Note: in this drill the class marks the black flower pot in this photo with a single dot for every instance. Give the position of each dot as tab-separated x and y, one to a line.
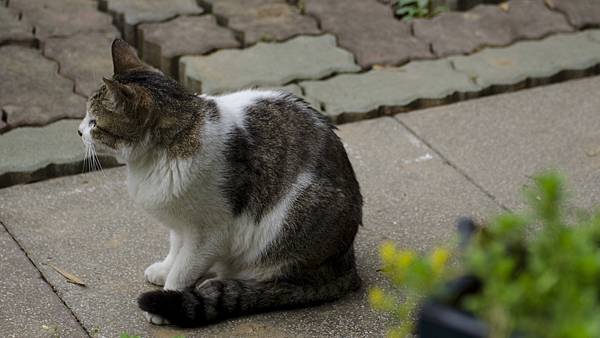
443	317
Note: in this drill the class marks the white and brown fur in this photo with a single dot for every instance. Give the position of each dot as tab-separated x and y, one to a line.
257	191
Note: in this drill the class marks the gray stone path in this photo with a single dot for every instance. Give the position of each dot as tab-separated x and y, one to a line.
13	30
29	307
128	14
83	58
358	26
453	33
262	20
50	96
53	56
163	43
63	18
418	171
30	155
421	84
580	13
265	65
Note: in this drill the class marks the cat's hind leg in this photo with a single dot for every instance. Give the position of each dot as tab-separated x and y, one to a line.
157	273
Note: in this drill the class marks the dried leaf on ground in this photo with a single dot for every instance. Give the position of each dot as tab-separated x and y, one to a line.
504	6
71	278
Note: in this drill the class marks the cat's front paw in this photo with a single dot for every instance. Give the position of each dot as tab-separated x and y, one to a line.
157	273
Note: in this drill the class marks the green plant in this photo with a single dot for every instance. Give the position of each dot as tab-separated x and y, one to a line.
411	9
540	271
414	276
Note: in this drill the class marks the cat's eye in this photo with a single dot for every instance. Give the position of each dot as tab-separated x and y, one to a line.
92	123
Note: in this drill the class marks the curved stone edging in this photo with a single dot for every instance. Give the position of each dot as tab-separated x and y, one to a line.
421	84
265	64
31	154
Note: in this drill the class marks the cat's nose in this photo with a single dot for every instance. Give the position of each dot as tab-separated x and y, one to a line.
79	132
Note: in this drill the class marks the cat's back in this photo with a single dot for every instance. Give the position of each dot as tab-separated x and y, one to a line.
273	138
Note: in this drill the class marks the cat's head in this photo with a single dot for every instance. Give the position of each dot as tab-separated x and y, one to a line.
136	110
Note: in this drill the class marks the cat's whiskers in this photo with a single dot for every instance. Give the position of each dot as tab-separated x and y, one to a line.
85	158
98	165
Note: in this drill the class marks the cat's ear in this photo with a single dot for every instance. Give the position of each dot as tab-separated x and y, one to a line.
119	90
125	58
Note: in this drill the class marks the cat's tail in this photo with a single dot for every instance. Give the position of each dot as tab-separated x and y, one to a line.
215	300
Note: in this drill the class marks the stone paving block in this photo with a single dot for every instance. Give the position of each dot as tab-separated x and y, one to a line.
581	13
488	25
29	306
349	97
63	17
163	43
32	92
369	30
265	64
84	58
530	59
13	30
32	154
532	19
296	90
411	197
501	141
263	20
128	13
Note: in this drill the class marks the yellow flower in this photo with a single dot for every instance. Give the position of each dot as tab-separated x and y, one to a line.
404	258
377	298
438	258
396	333
387	251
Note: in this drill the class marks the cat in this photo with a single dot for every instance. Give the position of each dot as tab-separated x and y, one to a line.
257	190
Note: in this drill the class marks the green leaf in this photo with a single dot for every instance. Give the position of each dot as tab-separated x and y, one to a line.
406	2
404	11
423	4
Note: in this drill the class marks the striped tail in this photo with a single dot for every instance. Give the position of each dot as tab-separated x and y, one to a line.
216	300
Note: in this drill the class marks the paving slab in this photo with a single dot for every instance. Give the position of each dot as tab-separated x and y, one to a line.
32	92
263	20
369	30
29	306
128	13
489	25
411	196
531	59
83	58
31	154
64	17
13	30
501	141
581	13
350	97
296	90
163	43
265	64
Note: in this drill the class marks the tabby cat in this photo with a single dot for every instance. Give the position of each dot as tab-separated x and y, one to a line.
256	188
